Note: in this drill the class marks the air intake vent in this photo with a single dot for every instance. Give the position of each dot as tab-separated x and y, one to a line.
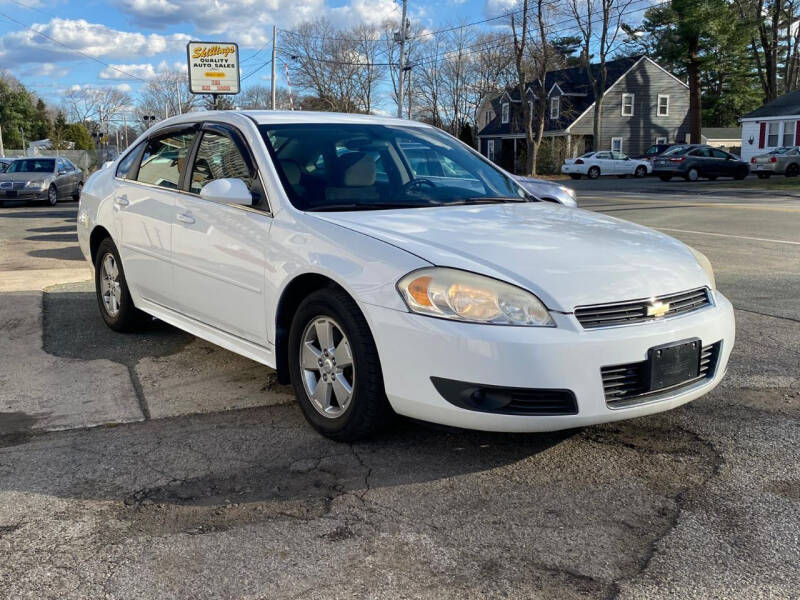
628	385
637	311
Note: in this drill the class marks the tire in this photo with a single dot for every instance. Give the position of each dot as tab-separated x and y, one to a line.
692	174
112	291
76	195
575	176
593	173
763	175
640	171
52	195
665	177
339	416
792	170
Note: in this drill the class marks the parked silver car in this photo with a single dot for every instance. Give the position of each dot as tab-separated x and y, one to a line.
785	160
549	191
41	179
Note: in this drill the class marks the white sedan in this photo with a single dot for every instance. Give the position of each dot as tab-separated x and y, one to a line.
607	162
435	288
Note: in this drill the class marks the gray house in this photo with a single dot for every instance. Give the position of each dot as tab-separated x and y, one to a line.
643	105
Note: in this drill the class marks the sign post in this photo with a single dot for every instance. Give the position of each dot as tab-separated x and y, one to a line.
213	68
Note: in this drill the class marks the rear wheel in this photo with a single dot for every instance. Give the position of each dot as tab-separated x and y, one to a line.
665	177
335	368
640	171
594	173
741	174
113	297
692	174
792	170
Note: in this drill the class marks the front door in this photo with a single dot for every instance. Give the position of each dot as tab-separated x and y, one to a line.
219	250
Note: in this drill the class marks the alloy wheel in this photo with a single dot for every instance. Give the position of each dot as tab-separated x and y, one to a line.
110	285
52	196
693	174
327	367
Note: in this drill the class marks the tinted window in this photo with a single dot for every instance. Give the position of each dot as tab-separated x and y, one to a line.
603	155
70	165
125	166
719	153
218	158
33	165
702	152
164	158
349	166
619	156
677	150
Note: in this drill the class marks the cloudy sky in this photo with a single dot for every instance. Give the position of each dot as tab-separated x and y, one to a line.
50	44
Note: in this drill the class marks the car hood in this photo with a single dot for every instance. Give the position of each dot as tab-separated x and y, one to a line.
25	176
567	257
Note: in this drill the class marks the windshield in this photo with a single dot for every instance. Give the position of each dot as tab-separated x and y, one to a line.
32	165
784	150
345	166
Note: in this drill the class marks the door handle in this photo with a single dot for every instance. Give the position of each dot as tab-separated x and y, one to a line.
121	200
185	218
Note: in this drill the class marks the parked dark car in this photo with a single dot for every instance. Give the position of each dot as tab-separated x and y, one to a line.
653	151
692	161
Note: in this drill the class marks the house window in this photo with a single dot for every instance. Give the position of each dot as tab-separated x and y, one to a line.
505	113
772	133
616	144
661	140
663	105
788	133
490	149
555	107
627	105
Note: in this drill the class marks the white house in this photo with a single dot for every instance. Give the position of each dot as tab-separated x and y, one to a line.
773	125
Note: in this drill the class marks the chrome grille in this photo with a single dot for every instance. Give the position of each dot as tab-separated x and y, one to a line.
628	385
12	185
635	311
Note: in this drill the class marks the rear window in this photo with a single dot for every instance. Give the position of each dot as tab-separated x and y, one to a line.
677	150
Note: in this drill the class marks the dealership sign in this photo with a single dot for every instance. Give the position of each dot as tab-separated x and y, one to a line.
213	67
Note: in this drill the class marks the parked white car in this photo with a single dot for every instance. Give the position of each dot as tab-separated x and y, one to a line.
595	164
310	242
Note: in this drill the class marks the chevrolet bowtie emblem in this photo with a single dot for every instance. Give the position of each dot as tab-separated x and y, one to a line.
657	309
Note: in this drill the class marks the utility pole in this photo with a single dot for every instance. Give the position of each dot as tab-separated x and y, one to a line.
409	91
24	150
274	58
402	62
2	150
178	90
125	127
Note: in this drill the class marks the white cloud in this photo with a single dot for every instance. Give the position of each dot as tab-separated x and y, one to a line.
77	35
144	71
493	8
249	22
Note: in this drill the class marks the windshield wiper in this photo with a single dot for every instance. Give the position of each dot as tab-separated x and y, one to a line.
365	206
498	200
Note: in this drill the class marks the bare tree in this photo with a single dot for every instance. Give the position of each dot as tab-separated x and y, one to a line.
166	94
260	97
86	104
599	23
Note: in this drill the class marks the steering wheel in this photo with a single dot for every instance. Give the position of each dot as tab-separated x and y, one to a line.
417	182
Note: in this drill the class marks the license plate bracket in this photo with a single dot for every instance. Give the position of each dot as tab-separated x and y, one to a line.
11	194
675	363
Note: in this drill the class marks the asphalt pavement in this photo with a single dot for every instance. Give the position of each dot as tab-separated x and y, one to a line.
155	465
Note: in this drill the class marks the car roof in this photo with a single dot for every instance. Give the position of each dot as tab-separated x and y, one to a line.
266	117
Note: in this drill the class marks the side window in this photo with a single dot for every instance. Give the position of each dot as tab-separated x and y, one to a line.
719	153
125	166
164	158
60	166
218	158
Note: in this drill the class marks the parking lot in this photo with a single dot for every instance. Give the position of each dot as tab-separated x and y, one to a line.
156	465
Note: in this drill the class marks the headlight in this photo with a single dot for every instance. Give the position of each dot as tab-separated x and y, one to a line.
702	259
464	296
36	185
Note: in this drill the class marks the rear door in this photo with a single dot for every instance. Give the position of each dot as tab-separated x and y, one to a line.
603	160
63	178
144	203
219	250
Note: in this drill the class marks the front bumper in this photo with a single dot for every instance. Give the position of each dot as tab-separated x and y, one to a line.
414	348
572	170
764	168
23	195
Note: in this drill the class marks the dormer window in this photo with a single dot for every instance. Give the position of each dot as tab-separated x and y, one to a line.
555	107
504	116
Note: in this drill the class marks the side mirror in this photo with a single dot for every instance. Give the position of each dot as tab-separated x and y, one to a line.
228	191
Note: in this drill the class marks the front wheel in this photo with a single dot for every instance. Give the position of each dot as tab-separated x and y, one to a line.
335	368
113	297
76	195
640	171
594	173
52	195
740	175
